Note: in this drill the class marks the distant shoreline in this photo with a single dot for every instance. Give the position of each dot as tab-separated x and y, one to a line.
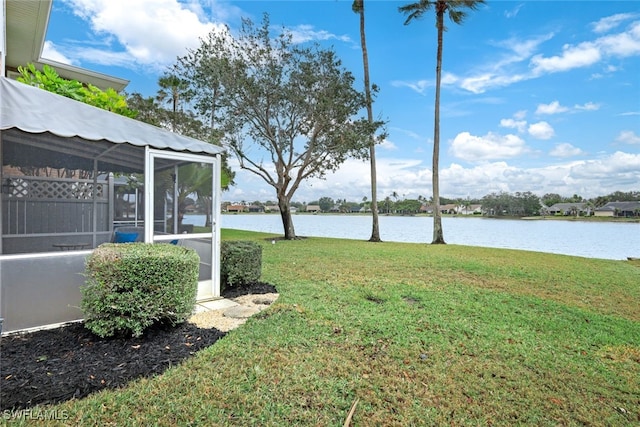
527	218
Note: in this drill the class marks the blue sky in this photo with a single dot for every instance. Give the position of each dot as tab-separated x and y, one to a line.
537	96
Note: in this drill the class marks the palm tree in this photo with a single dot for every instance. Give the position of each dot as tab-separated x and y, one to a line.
173	88
358	7
415	11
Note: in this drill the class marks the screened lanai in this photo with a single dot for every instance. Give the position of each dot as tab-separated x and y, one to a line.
75	176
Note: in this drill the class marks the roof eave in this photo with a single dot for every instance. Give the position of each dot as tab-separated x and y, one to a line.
26	29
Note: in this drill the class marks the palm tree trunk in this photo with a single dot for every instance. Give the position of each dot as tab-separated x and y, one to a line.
438	236
375	230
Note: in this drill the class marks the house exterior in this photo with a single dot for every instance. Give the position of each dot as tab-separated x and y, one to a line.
237	208
619	209
426	209
313	208
567	208
256	209
450	208
50	224
469	210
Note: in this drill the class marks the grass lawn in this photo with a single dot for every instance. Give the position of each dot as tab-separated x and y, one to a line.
417	335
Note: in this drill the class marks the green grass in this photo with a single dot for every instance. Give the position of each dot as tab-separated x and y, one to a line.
420	334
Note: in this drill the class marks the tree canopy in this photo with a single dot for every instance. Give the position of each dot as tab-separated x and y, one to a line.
288	111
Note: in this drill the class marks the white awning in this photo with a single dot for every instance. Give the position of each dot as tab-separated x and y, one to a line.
34	110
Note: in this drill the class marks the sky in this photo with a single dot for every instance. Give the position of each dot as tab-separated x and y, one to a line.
539	96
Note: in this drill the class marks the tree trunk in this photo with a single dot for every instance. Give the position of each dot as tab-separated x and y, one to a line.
375	230
438	235
285	214
207	208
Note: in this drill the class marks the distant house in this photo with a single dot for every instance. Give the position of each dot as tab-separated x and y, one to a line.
256	209
313	208
619	209
426	209
567	208
272	208
236	208
470	210
450	208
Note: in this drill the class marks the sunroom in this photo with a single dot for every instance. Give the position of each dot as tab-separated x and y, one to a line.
73	177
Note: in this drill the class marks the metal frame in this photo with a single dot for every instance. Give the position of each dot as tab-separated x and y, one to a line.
214	237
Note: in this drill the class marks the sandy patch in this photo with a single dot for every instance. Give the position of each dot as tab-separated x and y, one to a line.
217	319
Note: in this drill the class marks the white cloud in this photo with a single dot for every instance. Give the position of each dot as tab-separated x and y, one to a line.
412	178
555	108
514	124
419	86
628	137
387	145
583	55
565	150
541	130
621	165
589	106
407	177
222	11
50	51
503	71
513	12
500	72
489	147
610	22
151	32
623	44
520	115
480	180
306	33
104	57
407	132
552	108
482	82
589	178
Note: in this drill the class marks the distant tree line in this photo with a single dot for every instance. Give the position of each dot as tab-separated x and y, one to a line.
494	204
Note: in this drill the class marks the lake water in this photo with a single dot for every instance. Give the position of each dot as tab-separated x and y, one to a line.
609	240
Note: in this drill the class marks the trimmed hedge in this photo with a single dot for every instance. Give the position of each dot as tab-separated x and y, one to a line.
131	286
240	262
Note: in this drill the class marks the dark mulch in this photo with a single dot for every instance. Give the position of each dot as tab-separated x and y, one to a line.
56	365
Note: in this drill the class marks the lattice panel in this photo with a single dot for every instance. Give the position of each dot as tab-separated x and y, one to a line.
51	189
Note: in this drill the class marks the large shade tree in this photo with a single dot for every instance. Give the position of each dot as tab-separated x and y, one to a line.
454	8
288	111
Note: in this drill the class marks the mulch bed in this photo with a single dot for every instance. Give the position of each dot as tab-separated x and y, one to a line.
52	366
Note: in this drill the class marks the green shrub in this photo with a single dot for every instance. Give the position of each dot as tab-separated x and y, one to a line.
131	286
240	262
